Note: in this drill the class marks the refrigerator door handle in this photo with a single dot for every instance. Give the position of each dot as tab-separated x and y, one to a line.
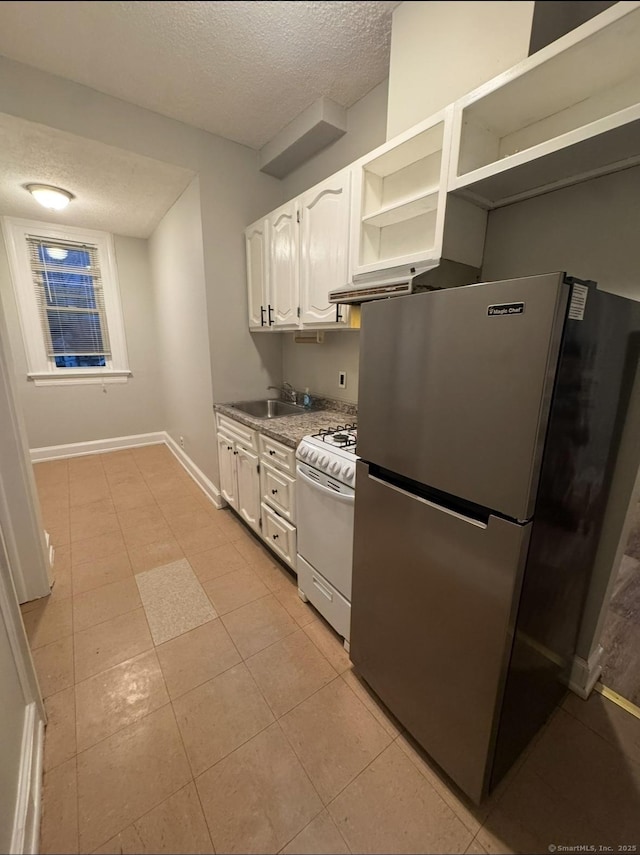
424	501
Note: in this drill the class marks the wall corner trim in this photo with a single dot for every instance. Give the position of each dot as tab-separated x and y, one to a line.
585	673
207	486
118	443
26	824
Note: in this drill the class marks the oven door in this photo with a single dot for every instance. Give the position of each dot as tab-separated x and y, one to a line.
325	526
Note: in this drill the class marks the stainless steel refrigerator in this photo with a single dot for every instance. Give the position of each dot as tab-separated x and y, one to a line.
488	427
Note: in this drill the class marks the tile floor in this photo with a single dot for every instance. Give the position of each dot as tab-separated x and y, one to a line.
238	725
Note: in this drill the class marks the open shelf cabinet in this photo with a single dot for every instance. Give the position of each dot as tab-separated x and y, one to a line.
398	191
568	113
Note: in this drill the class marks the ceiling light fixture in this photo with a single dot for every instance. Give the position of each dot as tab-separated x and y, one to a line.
52	198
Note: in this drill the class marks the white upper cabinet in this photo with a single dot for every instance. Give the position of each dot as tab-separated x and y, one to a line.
282	307
401	216
257	249
567	113
324	249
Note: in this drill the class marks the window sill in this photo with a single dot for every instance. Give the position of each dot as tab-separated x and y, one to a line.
78	377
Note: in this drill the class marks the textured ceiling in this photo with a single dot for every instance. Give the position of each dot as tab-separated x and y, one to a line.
242	70
115	190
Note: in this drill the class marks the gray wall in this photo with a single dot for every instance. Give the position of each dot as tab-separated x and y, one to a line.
177	265
55	415
232	194
316	365
366	129
590	231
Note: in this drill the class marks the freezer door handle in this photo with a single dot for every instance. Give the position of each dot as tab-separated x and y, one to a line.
424	501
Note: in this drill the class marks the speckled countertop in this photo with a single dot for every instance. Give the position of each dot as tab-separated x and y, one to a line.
289	430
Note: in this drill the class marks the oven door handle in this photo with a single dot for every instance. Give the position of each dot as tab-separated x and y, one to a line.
347	498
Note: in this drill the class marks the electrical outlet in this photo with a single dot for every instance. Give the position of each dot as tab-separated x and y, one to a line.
181	442
342	379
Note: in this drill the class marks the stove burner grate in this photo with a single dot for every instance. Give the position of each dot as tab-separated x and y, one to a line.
344	436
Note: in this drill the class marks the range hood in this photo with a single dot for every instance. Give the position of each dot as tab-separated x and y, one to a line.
404	280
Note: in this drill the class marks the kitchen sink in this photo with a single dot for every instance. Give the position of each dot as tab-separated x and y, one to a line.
272	409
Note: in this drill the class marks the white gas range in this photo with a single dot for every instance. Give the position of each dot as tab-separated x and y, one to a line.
325	489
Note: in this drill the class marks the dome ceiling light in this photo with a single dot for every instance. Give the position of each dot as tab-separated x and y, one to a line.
52	198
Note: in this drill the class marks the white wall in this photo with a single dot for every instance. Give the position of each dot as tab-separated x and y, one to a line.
590	231
441	50
177	264
55	415
12	714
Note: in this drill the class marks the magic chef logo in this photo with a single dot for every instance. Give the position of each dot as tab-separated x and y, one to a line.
505	309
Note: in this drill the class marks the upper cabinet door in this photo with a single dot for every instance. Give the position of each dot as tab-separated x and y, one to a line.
256	241
324	248
283	266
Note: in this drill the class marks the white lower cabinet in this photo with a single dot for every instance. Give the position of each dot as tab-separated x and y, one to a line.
227	465
279	534
239	471
257	479
278	490
248	475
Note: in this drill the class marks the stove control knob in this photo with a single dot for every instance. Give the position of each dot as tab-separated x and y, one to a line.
335	468
323	461
313	456
303	452
348	474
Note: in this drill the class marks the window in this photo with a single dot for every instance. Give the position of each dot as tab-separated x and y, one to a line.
67	295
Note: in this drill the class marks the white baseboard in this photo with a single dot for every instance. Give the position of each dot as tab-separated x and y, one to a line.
207	486
585	673
99	446
96	446
26	824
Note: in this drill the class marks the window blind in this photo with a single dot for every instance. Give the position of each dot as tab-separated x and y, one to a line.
70	297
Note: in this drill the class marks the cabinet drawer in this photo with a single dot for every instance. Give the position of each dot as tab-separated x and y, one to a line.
329	602
279	455
278	490
279	535
238	432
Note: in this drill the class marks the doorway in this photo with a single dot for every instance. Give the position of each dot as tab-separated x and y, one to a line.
621	636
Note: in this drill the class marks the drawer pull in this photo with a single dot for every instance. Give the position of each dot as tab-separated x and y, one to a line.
275	536
273	492
271	452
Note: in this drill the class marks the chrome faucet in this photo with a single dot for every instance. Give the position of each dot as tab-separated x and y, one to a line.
287	392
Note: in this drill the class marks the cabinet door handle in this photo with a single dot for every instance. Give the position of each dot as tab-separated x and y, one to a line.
275	536
262	320
235	452
271	452
270	310
338	313
273	492
229	448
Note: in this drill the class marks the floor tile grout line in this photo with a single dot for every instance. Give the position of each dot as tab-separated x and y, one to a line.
105	620
337	677
209	679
